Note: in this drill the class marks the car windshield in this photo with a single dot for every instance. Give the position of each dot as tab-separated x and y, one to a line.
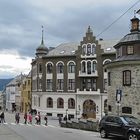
131	120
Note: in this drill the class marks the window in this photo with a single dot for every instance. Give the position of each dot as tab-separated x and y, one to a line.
109	78
130	49
71	67
60	68
40	68
49	68
71	103
93	48
89	84
49	84
29	95
84	49
88	67
83	68
89	49
126	78
109	108
93	66
94	84
49	102
127	110
60	103
71	84
38	101
119	52
60	84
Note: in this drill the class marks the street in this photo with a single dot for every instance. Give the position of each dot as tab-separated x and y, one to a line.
21	131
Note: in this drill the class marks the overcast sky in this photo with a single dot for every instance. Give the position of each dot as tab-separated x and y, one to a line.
63	21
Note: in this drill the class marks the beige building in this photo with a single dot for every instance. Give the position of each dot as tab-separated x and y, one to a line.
26	96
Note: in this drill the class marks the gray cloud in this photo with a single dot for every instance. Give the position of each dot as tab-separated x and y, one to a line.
20	22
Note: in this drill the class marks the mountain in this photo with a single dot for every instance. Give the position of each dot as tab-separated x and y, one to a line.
3	83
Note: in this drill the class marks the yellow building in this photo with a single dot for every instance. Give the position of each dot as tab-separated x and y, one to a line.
26	97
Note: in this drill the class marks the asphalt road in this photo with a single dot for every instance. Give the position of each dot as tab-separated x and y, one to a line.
21	131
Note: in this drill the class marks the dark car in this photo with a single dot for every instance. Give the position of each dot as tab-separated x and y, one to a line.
122	126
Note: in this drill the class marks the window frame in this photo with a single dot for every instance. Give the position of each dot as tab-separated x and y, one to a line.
130	49
126	78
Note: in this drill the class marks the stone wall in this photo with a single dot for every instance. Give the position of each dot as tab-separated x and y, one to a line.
130	94
90	125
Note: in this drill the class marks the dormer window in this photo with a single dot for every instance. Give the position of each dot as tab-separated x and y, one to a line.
119	52
130	49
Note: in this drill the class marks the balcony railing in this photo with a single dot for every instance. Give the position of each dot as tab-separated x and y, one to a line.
85	74
88	56
90	92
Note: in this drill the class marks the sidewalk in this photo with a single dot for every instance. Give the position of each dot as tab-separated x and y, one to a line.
7	134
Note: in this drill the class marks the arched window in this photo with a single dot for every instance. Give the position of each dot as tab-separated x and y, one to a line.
71	103
127	110
93	66
83	67
89	67
60	67
89	49
49	102
93	48
84	49
71	67
49	68
60	103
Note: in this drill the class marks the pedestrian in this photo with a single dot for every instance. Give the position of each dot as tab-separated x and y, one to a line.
60	119
39	118
25	118
17	118
2	117
30	118
46	119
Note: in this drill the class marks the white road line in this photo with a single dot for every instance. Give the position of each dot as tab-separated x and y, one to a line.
21	124
13	123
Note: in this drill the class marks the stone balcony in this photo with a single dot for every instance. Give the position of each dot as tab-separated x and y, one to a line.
85	74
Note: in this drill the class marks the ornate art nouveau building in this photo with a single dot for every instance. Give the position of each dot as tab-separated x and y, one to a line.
124	74
70	78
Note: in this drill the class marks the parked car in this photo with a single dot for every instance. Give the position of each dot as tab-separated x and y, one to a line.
122	126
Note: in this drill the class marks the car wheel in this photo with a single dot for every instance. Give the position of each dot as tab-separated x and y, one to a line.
103	133
132	136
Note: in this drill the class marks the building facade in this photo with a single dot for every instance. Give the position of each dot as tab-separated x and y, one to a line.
124	74
13	93
70	80
26	97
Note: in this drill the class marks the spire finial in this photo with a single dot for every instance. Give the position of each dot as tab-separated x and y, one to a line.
89	29
42	42
135	13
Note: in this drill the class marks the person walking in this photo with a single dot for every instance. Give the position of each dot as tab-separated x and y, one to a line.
46	119
2	117
17	118
30	118
60	119
39	118
25	118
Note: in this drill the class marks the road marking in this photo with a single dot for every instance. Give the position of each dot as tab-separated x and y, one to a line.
13	123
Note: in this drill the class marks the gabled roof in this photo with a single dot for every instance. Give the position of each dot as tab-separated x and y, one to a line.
68	49
64	49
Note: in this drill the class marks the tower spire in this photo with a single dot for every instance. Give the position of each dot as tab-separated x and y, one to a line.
42	41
